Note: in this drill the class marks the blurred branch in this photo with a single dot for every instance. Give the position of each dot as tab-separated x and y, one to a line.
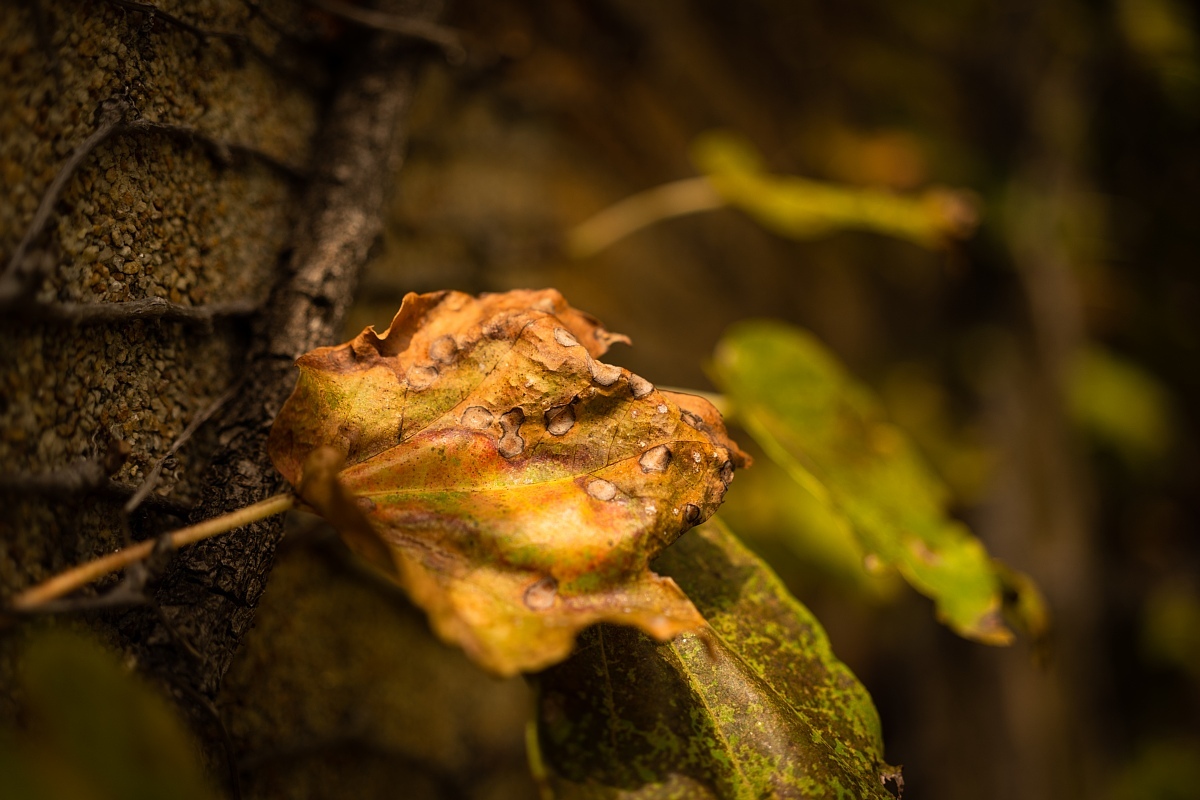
804	209
791	206
446	39
639	211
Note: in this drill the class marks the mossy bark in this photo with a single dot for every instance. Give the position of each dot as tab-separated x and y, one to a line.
243	170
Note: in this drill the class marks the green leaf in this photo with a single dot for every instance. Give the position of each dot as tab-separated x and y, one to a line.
95	732
802	209
1121	405
754	706
831	435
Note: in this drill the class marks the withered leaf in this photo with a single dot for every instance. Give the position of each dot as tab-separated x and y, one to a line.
516	486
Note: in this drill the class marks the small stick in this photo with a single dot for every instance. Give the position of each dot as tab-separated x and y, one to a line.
614	223
445	38
80	576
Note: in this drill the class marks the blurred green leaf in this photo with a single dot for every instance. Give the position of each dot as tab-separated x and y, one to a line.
804	209
1163	769
1170	629
819	538
756	706
1162	33
832	437
95	732
1121	405
916	399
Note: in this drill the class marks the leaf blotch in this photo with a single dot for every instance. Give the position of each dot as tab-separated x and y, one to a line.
511	444
602	489
443	350
640	386
655	459
604	374
542	594
477	418
421	377
560	419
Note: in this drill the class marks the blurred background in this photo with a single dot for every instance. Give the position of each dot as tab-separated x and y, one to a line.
987	210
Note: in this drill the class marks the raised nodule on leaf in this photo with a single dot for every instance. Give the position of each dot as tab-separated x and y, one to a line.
518	485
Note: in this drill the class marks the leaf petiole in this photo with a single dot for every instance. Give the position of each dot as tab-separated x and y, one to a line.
77	577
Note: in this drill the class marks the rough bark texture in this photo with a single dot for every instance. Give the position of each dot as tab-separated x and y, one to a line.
190	202
211	592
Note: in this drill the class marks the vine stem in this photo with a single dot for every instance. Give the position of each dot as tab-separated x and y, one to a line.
77	577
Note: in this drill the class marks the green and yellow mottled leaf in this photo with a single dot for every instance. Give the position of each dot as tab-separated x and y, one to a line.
831	435
516	486
754	706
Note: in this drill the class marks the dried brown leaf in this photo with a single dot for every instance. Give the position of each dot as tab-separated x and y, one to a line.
518	485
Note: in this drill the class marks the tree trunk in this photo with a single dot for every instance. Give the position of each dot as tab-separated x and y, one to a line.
189	194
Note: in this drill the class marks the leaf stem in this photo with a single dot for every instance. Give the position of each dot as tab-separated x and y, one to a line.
77	577
614	223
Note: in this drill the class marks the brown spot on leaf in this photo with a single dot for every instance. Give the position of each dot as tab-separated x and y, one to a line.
655	459
443	350
542	594
602	489
640	386
511	444
604	374
477	418
560	419
421	377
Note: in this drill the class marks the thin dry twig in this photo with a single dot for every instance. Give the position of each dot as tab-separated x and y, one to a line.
154	12
82	476
446	39
77	577
120	490
623	218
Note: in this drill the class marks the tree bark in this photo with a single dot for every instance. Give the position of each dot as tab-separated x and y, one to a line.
184	131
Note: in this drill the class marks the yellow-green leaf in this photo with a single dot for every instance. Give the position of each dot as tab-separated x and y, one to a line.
1120	404
754	706
516	486
831	435
804	209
